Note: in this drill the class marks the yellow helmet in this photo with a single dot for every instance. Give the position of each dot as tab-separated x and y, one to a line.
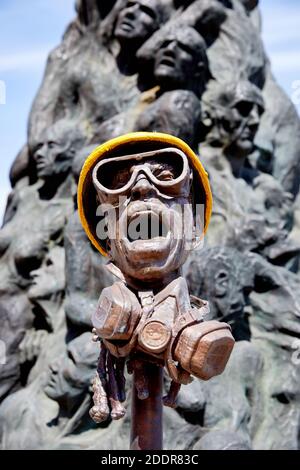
133	143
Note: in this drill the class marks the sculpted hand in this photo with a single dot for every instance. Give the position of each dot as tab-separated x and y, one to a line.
108	387
100	410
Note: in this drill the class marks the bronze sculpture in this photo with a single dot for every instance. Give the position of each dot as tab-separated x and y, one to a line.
153	182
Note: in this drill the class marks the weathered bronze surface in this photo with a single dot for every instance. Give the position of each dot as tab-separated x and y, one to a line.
147	317
197	70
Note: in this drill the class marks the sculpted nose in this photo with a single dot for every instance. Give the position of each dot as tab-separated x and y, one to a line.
40	153
171	47
131	11
143	189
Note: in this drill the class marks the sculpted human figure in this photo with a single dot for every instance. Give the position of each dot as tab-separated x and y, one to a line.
42	211
176	112
274	334
232	116
263	212
249	377
53	156
278	139
86	275
225	283
139	19
234	47
181	61
227	276
147	177
267	228
78	92
135	23
55	403
230	120
45	340
205	16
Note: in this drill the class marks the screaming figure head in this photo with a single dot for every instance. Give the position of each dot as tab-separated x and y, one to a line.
153	199
231	118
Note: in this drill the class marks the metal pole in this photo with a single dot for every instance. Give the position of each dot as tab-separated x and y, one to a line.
146	415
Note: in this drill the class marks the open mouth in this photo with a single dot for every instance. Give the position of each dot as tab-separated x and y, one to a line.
147	225
126	26
167	62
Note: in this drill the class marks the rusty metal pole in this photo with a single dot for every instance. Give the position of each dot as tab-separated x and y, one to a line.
146	415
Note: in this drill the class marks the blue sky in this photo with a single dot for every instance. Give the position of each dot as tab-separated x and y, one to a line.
31	28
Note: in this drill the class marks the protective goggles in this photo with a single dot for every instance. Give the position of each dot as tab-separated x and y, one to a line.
167	169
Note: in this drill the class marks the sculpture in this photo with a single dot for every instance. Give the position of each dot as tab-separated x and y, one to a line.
232	115
90	91
138	20
27	248
135	23
46	295
175	112
181	61
62	399
227	285
148	317
53	155
86	276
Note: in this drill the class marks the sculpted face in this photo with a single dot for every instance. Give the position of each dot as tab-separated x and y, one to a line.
181	60
138	20
276	205
70	376
49	279
176	112
225	278
245	119
235	113
227	292
54	154
152	230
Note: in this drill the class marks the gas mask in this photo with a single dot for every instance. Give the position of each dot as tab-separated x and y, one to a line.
165	326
